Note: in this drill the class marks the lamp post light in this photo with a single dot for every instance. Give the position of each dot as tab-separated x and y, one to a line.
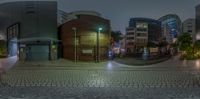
98	45
75	49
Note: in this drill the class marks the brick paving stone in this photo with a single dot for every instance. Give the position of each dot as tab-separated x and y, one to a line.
166	79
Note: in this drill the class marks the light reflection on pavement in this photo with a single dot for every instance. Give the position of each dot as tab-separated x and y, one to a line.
109	65
8	63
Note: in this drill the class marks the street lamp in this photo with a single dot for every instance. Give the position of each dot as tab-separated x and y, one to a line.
74	28
98	46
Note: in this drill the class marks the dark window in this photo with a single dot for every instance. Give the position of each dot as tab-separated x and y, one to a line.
130	29
141	34
141	29
13	31
189	30
30	12
131	33
130	38
130	43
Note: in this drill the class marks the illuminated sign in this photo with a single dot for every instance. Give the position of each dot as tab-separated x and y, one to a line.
88	51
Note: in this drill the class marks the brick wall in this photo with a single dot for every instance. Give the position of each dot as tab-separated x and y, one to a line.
86	29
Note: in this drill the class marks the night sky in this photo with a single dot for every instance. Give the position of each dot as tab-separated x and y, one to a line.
120	11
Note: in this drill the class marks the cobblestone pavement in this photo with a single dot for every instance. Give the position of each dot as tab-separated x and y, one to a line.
101	78
106	80
98	93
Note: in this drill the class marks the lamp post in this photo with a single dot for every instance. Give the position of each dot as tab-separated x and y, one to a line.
74	28
98	45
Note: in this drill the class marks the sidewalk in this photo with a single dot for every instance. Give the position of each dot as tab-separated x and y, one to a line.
70	64
60	63
9	62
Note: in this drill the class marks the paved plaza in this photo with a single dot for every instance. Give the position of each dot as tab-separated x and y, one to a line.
140	62
64	79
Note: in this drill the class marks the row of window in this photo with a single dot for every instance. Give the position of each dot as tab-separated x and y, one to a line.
130	33
130	38
190	31
142	29
130	43
130	29
30	8
13	31
141	40
142	34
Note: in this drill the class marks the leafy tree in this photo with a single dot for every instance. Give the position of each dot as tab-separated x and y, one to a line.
116	35
185	41
185	44
197	45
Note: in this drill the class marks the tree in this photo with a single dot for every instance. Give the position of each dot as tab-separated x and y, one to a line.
185	41
185	45
197	48
197	45
116	35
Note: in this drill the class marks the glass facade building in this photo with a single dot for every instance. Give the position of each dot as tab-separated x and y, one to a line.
171	27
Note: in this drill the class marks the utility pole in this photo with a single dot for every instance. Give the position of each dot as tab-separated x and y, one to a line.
75	49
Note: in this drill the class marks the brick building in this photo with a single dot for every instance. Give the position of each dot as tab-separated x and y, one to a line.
79	37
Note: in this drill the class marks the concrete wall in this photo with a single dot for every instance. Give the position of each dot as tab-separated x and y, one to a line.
37	24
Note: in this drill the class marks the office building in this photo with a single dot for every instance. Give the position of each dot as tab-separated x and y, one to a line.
30	29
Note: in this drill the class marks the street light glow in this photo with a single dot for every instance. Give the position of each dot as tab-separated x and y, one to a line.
100	29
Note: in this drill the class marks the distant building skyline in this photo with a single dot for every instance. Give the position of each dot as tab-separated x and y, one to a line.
120	12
